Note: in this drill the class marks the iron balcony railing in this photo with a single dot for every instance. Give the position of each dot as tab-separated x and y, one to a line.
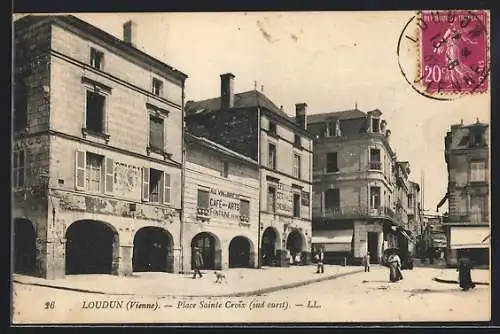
359	211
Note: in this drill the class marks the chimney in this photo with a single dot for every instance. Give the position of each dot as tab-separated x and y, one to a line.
301	115
227	90
129	32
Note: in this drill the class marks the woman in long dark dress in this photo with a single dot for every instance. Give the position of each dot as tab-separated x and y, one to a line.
464	276
395	268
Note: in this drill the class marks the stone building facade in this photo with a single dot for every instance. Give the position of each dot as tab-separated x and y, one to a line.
355	186
221	206
468	223
97	149
252	125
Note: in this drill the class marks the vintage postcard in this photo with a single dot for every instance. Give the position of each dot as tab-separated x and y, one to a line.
251	167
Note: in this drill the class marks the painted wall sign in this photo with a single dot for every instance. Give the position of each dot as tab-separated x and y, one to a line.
224	204
284	198
22	143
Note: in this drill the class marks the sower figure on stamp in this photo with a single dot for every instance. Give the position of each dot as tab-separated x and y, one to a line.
320	258
197	262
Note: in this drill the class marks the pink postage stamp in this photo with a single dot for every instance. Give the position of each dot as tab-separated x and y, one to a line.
454	51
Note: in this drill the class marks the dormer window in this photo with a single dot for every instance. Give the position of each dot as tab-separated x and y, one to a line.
477	139
375	125
157	87
330	129
272	128
96	58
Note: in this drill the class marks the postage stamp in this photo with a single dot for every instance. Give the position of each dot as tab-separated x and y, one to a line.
454	51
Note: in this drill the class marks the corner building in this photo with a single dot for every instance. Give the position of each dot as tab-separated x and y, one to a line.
98	152
358	187
221	203
467	226
252	125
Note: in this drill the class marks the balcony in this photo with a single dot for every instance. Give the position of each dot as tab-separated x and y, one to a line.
464	217
356	211
375	165
203	214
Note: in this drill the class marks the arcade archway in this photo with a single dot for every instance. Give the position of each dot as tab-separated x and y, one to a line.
209	246
240	250
270	243
152	250
91	248
24	246
295	244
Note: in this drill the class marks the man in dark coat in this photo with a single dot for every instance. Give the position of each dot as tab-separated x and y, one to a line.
464	268
197	262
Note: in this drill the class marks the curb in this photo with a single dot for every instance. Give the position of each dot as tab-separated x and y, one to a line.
440	280
234	294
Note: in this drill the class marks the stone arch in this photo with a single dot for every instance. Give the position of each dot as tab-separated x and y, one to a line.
24	246
270	245
296	243
92	247
153	250
241	253
210	247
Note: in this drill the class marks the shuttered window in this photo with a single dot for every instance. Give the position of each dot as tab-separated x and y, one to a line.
19	169
156	133
203	199
244	208
166	188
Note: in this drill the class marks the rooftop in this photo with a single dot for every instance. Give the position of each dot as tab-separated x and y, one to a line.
219	148
340	115
250	99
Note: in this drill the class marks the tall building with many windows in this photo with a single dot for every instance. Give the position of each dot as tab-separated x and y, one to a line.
97	151
359	188
250	124
467	226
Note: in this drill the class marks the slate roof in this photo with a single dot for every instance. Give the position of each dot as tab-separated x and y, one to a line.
250	99
217	147
340	115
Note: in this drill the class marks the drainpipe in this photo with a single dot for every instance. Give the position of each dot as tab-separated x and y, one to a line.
259	257
183	182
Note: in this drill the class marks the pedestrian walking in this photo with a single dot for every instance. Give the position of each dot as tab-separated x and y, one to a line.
320	258
464	273
395	268
366	262
197	262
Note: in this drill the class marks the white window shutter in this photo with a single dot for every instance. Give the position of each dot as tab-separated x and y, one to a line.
166	188
110	175
145	184
80	170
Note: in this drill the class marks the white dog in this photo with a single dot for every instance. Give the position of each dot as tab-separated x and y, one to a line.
220	277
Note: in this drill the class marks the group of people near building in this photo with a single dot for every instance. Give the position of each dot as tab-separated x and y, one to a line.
393	261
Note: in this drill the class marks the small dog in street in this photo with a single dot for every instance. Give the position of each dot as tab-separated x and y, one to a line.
220	277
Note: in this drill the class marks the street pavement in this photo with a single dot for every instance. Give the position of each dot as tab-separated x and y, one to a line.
359	297
239	281
370	297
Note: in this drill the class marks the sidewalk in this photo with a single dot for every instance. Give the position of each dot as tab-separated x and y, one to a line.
450	275
240	282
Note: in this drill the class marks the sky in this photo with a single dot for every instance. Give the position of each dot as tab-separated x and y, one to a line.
330	60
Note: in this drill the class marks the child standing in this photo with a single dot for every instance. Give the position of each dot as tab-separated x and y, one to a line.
366	262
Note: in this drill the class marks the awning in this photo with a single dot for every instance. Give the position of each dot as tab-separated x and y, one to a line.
468	237
443	200
334	240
